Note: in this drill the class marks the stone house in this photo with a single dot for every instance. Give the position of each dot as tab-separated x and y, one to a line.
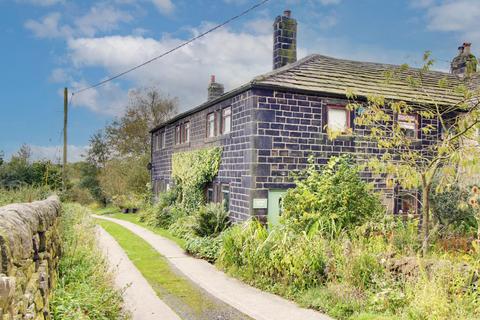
269	126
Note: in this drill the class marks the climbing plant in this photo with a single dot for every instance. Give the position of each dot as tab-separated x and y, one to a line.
191	171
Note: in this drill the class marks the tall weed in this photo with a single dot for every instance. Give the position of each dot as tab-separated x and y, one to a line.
84	289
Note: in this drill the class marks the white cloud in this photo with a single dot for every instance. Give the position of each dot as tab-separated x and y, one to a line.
59	75
109	99
100	18
233	57
54	153
460	15
164	6
48	27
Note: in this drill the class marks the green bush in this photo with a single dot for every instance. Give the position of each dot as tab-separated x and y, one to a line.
281	260
451	212
335	198
161	214
211	220
207	248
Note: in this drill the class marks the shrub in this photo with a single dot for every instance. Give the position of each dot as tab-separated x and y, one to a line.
183	225
211	220
207	248
335	198
449	209
161	214
279	261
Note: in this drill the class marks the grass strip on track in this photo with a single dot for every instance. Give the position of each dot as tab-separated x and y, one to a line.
182	295
131	217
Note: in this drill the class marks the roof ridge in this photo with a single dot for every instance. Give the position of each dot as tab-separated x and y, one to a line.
285	68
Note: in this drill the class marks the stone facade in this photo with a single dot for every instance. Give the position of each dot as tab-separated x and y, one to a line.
273	133
29	253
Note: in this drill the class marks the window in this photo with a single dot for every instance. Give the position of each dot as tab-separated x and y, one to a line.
164	140
226	120
186	132
211	125
408	124
209	193
178	135
338	118
156	147
226	196
408	204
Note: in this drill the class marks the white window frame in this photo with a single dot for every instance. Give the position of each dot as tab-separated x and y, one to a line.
211	121
408	122
226	128
330	112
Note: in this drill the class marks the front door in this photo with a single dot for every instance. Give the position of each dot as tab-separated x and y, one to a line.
275	206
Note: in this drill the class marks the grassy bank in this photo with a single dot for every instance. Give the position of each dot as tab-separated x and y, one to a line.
84	289
186	299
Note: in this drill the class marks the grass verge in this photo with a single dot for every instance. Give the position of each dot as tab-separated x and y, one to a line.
179	293
84	288
135	219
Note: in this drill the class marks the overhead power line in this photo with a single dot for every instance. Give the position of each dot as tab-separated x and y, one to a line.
173	49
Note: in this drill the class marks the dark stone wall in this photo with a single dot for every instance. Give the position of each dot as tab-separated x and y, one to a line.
290	127
237	153
273	134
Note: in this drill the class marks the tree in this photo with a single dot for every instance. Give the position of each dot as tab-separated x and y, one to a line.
130	135
402	159
24	153
2	156
99	151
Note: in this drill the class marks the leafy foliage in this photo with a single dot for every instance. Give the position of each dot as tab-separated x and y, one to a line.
211	220
450	209
333	200
191	171
453	137
21	171
207	248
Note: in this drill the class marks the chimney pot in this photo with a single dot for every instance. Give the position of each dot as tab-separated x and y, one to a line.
215	89
465	62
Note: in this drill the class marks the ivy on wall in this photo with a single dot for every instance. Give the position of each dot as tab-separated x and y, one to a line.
191	171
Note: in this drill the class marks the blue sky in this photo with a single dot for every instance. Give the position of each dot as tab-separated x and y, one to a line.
49	44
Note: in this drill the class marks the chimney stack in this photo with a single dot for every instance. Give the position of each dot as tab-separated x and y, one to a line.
215	90
465	62
284	40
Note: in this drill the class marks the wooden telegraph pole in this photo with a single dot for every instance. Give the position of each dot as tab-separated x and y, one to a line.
65	119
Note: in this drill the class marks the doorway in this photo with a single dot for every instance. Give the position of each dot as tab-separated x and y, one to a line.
275	206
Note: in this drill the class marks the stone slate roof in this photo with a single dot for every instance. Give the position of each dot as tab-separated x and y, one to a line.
326	75
335	76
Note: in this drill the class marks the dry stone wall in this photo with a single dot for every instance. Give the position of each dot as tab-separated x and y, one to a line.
29	252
